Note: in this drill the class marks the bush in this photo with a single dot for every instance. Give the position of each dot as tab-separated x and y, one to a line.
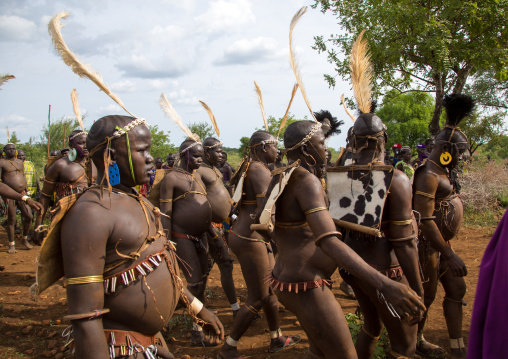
484	186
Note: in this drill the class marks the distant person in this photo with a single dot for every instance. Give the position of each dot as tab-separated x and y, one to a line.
421	151
396	148
328	158
170	161
429	145
388	159
404	164
30	175
278	161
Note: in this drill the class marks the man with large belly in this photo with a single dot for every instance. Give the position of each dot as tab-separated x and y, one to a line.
183	199
220	201
441	212
12	174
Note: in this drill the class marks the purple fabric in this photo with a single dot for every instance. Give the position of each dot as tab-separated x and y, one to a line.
489	325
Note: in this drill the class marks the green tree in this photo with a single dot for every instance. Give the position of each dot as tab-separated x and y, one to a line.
14	138
406	117
482	129
274	124
202	129
497	147
244	143
161	144
489	89
437	45
59	134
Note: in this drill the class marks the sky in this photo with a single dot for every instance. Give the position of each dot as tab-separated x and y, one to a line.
208	50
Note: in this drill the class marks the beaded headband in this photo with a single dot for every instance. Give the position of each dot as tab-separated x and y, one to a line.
78	134
312	132
214	145
188	148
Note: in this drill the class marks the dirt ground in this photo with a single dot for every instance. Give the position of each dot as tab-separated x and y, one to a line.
31	329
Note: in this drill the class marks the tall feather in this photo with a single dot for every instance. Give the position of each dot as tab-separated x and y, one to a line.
72	60
8	134
170	111
285	118
361	73
292	59
261	106
345	108
75	107
212	117
5	78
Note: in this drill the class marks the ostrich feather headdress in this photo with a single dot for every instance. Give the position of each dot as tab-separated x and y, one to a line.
5	78
77	112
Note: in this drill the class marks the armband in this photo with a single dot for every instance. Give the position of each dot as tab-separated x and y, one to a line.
47	195
327	234
317	209
262	195
196	305
428	195
85	280
90	315
48	181
427	218
24	198
166	200
402	223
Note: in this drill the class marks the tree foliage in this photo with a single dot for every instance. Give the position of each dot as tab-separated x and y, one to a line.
274	124
482	129
406	117
202	129
59	134
433	45
161	144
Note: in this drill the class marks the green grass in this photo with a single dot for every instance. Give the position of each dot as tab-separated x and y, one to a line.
383	344
488	218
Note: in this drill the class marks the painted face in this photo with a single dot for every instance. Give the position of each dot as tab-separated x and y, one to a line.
10	151
193	158
79	143
140	142
214	155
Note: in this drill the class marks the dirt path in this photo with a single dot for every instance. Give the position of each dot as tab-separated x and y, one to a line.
33	329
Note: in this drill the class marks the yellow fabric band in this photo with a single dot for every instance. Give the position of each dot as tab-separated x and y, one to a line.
317	209
85	280
166	200
425	194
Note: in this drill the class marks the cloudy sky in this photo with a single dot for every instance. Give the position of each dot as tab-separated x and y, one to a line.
209	50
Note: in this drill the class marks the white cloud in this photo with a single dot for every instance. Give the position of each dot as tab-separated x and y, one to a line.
159	84
162	67
15	28
112	108
187	5
171	32
225	15
247	51
123	86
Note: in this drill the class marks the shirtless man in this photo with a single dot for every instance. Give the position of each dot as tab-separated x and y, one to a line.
122	273
67	175
170	161
226	170
311	249
183	199
253	250
11	173
441	212
220	200
393	250
278	161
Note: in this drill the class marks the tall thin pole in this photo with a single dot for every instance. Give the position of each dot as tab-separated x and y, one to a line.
49	127
65	135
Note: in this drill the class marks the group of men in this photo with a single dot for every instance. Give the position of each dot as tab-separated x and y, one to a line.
122	274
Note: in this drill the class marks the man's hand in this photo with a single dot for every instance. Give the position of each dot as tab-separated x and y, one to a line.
213	329
35	205
456	265
403	300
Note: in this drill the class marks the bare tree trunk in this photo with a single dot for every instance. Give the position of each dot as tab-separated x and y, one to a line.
438	107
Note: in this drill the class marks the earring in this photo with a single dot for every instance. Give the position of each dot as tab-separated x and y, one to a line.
445	158
114	174
312	159
72	154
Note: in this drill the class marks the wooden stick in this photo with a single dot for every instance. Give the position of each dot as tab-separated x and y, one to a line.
356	227
49	127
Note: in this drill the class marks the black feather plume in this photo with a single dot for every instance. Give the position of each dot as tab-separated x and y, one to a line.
330	124
457	107
373	106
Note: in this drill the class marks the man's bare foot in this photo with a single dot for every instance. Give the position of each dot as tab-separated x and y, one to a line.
228	352
458	353
429	350
12	249
26	244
